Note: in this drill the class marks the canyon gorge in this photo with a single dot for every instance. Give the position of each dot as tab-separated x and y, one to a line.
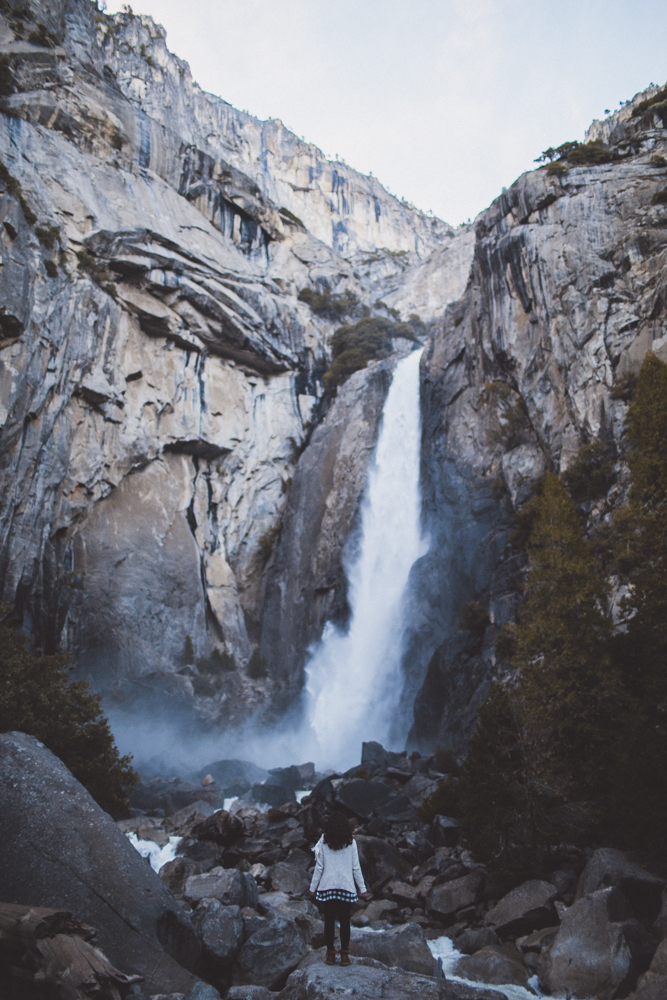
182	497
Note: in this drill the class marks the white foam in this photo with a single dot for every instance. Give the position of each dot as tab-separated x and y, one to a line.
157	855
443	948
300	796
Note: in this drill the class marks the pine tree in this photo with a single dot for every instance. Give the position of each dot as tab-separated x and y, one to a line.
37	698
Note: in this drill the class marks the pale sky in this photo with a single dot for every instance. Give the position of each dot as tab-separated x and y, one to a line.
444	101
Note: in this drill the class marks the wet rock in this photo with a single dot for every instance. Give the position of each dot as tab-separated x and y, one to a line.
292	881
362	797
444	900
496	964
221	828
274	947
533	945
205	852
404	947
527	908
471	940
220	929
609	867
599	949
273	795
371	980
67	853
229	885
226	773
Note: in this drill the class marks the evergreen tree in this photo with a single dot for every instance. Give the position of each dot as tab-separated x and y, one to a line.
36	698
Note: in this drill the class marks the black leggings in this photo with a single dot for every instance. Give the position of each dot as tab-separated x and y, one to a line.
337	910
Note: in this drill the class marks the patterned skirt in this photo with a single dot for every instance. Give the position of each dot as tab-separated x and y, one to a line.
324	895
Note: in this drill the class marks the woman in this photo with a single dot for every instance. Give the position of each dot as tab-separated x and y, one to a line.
337	869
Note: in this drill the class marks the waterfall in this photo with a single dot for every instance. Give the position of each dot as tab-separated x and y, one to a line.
354	679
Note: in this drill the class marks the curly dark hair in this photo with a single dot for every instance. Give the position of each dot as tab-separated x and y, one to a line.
337	834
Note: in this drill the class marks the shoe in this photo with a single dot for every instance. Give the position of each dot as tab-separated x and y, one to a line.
331	957
345	958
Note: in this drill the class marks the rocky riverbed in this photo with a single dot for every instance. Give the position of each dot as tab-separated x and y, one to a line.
229	913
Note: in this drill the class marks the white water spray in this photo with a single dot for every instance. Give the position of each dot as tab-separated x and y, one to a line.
354	680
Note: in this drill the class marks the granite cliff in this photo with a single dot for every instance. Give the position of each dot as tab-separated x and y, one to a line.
178	496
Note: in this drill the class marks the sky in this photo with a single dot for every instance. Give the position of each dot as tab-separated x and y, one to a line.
444	101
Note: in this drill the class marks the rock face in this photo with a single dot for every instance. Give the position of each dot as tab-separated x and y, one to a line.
374	981
566	294
66	853
404	947
159	371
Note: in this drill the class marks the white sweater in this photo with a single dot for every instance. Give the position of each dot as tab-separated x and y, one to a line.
337	869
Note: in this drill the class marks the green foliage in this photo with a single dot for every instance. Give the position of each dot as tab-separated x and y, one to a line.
51	268
658	161
268	541
579	154
89	265
444	761
353	346
328	303
13	187
473	618
443	802
512	424
37	698
293	220
592	474
217	663
660	197
625	387
43	37
656	105
7	82
187	657
257	666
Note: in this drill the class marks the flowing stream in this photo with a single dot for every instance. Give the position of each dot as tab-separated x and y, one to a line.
354	679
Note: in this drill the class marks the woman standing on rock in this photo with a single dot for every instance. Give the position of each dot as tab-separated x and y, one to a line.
336	878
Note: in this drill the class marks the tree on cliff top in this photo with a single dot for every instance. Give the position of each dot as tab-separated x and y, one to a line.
36	698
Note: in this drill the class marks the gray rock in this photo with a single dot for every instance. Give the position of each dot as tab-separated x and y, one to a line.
397	809
307	918
444	832
404	947
599	949
292	881
273	795
527	908
379	859
373	981
533	945
444	900
67	853
653	984
419	788
175	873
274	948
229	885
404	894
249	993
609	867
380	909
221	828
471	940
203	991
362	797
220	930
500	965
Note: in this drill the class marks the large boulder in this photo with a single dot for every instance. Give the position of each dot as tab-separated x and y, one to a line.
229	885
527	908
67	853
653	984
222	828
404	947
274	946
397	809
609	867
379	860
371	980
599	949
443	901
273	794
307	918
419	788
220	930
471	939
499	965
292	881
362	797
444	831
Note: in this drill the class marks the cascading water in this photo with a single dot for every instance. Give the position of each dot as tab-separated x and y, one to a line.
354	679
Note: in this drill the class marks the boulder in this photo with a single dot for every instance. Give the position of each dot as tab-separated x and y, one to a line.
381	909
444	832
222	828
660	925
404	947
397	809
373	981
67	853
307	918
444	900
293	881
500	965
249	993
379	860
220	930
229	772
273	948
527	908
653	984
599	949
609	867
404	894
419	788
362	797
533	945
273	795
175	873
469	941
229	885
289	777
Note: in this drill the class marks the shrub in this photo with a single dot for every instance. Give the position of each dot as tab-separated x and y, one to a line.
592	473
13	187
89	265
625	387
353	346
51	268
47	235
218	662
295	221
328	303
443	802
444	761
660	197
656	105
37	698
579	154
268	541
473	618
